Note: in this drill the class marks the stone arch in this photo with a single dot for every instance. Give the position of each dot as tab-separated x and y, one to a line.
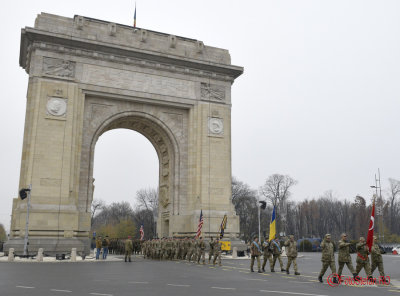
167	149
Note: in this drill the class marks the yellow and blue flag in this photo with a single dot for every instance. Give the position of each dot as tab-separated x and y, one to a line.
272	226
134	17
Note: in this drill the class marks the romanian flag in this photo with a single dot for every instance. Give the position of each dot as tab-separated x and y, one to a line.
370	237
134	17
272	226
223	226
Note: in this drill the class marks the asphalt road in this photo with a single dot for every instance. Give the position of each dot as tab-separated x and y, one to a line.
147	277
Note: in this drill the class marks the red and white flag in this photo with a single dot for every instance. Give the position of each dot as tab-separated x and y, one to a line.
370	237
200	226
141	230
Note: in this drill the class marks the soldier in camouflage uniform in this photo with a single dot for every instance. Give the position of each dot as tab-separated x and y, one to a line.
190	249
255	252
376	258
291	252
328	258
217	251
185	248
212	248
128	249
276	252
344	255
362	258
267	254
202	251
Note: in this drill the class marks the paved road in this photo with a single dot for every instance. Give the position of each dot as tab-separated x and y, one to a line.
147	277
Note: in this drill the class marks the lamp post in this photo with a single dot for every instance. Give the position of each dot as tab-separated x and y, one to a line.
379	208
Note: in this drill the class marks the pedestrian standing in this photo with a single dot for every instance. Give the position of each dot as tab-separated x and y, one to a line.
128	249
105	243
98	247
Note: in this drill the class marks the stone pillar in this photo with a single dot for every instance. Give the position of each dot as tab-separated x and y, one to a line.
234	252
73	255
11	255
39	257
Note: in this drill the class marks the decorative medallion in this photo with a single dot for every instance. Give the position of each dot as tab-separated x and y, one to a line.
56	106
215	126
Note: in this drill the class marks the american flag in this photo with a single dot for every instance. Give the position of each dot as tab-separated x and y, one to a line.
141	230
200	226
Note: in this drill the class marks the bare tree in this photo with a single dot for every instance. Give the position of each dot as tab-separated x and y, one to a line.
147	199
97	205
277	190
394	193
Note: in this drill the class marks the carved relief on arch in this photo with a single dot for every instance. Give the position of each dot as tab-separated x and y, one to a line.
164	196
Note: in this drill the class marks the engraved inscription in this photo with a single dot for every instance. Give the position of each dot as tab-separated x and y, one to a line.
123	79
48	182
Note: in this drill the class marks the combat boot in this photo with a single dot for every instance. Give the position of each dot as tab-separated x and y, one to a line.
335	281
320	279
297	273
283	270
287	271
272	270
251	270
259	271
263	270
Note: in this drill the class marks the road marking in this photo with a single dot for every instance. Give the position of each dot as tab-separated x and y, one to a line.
244	271
293	293
301	282
100	294
25	287
175	285
66	291
138	282
395	291
257	280
222	288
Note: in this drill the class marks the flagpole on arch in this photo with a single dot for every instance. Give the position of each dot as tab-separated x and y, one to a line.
134	17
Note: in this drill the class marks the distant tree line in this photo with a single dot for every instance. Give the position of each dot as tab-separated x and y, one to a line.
120	219
314	217
305	219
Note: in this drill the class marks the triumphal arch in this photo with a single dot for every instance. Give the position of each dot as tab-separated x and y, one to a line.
88	76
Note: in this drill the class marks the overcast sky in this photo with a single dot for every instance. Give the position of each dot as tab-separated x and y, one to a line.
318	100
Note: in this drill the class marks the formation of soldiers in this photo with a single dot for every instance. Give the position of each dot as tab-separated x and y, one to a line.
272	252
344	258
182	249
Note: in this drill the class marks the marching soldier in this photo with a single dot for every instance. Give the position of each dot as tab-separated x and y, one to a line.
291	252
376	258
344	255
217	252
202	251
128	249
362	258
328	258
267	254
276	253
212	247
255	252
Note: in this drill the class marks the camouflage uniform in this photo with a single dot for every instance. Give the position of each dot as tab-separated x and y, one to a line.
362	258
376	258
255	252
328	257
267	254
276	252
212	247
202	252
344	257
128	249
291	252
217	252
